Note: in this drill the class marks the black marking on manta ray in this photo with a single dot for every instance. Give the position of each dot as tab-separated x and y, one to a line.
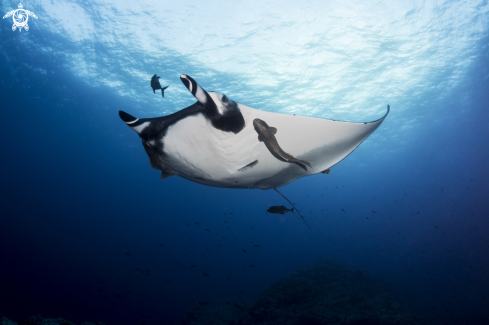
250	165
230	120
158	126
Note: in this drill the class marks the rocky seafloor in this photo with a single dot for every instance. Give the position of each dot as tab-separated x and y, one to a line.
41	320
325	293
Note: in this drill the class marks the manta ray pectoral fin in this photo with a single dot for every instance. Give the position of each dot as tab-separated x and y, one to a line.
272	130
127	118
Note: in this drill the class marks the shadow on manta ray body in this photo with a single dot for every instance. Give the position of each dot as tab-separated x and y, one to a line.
219	142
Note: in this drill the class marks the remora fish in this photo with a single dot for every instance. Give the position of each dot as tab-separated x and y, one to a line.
266	135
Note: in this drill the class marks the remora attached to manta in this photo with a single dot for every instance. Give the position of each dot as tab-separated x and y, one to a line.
219	142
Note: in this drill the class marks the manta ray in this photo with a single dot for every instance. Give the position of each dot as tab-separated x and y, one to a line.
219	142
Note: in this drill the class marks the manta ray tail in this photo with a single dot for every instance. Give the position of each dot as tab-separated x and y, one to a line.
293	207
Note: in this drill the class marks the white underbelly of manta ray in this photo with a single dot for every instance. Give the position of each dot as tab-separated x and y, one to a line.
219	142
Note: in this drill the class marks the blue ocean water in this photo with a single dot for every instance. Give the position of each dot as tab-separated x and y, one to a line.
88	231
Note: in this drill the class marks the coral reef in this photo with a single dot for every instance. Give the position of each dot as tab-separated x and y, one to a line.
325	293
41	320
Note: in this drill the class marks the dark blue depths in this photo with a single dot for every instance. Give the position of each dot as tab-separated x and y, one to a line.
89	232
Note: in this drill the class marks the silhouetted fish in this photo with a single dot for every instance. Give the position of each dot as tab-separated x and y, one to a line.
279	209
155	84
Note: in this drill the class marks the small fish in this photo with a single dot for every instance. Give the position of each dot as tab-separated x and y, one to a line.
208	230
198	224
343	210
252	265
161	245
193	266
244	251
279	209
127	254
205	274
155	84
256	245
326	171
374	211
